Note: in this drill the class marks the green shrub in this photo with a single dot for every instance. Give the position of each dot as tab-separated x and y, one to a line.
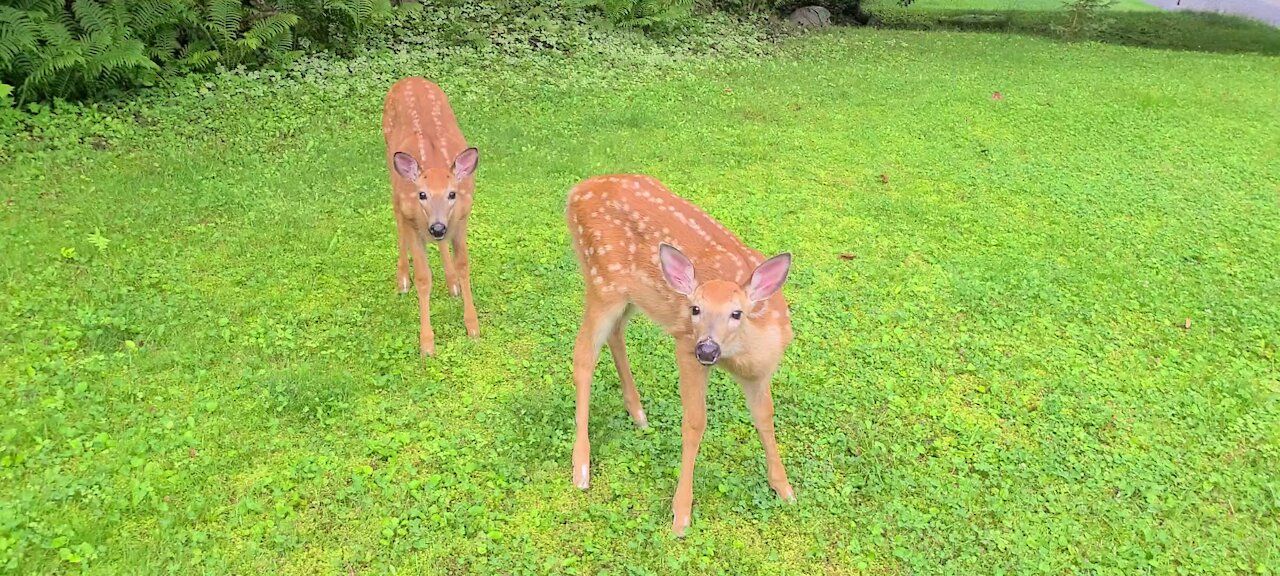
90	48
649	16
47	48
334	24
1084	18
507	27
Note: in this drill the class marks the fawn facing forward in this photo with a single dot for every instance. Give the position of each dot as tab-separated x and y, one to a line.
640	246
432	186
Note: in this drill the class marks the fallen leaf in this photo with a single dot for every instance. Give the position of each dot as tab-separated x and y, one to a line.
728	90
192	452
884	179
1186	324
997	96
847	256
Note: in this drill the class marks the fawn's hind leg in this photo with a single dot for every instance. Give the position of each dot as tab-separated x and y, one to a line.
618	349
598	321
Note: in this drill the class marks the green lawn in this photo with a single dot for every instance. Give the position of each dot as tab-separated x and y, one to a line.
206	367
1008	4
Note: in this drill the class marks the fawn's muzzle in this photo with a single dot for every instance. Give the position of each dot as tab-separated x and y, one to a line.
707	352
437	230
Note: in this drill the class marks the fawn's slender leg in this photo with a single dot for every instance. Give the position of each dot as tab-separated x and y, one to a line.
760	402
464	276
405	236
693	397
598	320
450	268
618	349
422	277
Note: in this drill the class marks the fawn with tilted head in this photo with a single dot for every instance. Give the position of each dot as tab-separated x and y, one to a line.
432	174
641	247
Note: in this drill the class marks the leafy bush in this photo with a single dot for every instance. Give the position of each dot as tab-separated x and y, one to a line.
1084	18
89	48
334	24
507	27
46	48
649	16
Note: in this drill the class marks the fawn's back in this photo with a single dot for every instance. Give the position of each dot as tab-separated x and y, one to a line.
417	119
618	222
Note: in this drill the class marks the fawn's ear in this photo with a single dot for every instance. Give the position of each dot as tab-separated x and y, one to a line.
464	164
676	269
769	277
406	166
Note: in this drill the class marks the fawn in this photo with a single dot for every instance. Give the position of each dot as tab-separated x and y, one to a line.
432	185
640	246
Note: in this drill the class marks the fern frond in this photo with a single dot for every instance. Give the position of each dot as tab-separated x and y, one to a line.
163	44
96	44
223	18
42	6
121	20
125	55
55	33
92	17
200	59
49	70
265	31
18	34
281	43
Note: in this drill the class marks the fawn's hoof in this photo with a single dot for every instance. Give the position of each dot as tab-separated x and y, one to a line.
641	420
679	525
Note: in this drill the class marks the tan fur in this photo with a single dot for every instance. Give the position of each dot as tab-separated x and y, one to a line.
418	121
617	223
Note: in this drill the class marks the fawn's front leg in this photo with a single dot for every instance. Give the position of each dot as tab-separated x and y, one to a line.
693	397
464	276
422	277
450	268
405	237
760	402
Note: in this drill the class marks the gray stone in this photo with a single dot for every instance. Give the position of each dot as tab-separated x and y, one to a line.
810	17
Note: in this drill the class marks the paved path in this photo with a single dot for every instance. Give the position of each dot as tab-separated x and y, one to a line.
1265	10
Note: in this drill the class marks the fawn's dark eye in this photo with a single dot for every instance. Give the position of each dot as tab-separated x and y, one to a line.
736	314
422	195
452	194
695	310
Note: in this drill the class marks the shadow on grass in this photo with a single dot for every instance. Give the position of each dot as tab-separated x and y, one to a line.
1192	31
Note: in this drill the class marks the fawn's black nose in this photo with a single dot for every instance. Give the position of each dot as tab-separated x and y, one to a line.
437	230
707	352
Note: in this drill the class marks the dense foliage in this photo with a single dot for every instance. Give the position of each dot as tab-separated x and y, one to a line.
86	48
